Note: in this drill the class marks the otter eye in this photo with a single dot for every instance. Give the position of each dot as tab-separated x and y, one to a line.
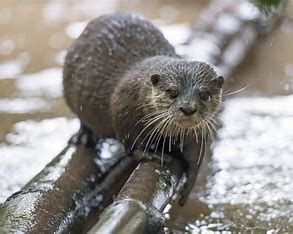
173	93
204	95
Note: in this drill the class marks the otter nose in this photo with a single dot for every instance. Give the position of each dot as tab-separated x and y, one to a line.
188	110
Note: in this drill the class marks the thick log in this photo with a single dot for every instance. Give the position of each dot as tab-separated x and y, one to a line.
68	191
139	205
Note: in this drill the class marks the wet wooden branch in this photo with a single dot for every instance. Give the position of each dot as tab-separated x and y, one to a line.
139	206
63	197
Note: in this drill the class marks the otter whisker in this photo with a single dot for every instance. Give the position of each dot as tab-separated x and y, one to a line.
157	140
201	147
154	116
164	131
213	125
163	149
195	133
153	120
177	133
151	115
169	131
217	117
163	119
164	141
216	123
144	105
234	92
206	123
170	134
205	144
213	129
157	130
160	134
159	126
151	132
181	139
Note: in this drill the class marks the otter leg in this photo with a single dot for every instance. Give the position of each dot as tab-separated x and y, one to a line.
192	156
84	136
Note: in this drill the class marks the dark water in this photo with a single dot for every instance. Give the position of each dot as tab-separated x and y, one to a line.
249	185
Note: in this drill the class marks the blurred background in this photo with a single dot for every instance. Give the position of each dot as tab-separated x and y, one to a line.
249	182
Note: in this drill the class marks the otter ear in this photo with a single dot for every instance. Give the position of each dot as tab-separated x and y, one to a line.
218	81
155	78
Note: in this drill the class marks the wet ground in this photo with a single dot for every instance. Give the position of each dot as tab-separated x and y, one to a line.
249	185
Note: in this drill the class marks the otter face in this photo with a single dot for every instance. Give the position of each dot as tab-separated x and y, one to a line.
190	92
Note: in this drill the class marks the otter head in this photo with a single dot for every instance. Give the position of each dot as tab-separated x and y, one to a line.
188	93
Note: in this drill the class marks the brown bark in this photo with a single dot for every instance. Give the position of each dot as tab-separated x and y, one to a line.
75	186
139	205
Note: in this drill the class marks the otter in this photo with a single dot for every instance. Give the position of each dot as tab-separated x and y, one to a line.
124	80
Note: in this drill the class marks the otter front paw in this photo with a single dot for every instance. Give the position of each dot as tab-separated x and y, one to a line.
84	136
188	185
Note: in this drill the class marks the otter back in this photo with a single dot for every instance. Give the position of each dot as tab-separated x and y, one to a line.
108	47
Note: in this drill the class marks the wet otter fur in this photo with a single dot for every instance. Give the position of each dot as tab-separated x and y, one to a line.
124	80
